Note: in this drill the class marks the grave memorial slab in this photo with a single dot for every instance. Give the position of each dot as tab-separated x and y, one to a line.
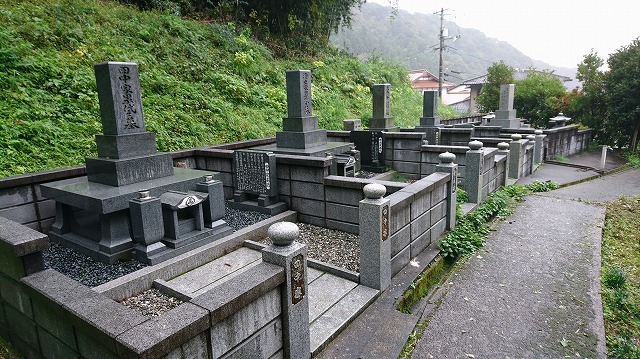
255	181
381	119
132	201
430	122
300	134
371	147
506	115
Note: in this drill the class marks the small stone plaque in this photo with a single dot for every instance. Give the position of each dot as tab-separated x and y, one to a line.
119	96
299	93
297	279
371	146
255	172
381	100
385	223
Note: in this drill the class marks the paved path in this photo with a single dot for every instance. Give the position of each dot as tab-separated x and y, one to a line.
533	290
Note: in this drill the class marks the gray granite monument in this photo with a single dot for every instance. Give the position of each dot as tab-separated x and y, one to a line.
381	119
430	122
506	115
133	202
300	134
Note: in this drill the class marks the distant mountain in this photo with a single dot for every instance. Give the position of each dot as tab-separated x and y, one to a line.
412	39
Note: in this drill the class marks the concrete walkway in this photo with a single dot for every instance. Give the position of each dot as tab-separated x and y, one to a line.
531	292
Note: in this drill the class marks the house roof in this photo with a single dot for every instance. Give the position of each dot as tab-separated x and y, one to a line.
425	79
518	74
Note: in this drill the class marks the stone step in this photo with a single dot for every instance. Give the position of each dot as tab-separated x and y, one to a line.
333	303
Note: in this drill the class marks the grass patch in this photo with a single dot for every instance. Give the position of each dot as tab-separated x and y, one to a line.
7	351
414	337
562	159
421	285
203	82
633	158
620	277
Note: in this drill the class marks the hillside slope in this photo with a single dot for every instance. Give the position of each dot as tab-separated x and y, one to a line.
412	39
202	82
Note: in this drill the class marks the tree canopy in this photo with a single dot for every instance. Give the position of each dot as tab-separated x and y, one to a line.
538	97
498	74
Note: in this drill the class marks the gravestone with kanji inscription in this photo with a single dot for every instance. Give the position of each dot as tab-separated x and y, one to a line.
133	202
381	119
506	115
255	182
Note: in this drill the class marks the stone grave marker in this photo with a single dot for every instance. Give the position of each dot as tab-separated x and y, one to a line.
381	119
256	186
430	122
371	147
132	194
506	115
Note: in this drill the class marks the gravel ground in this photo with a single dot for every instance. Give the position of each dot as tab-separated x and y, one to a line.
329	245
238	219
84	269
365	174
151	303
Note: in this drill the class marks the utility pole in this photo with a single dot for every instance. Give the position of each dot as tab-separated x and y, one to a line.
441	48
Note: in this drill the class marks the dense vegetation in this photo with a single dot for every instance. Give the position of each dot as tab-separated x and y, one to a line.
202	82
621	277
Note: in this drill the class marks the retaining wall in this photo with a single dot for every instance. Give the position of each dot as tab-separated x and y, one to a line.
418	215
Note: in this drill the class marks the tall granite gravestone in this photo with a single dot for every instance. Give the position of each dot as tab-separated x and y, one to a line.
132	201
256	186
300	134
506	115
370	142
430	122
381	119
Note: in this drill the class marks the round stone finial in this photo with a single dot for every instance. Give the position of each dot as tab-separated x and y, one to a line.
503	146
475	145
374	190
283	233
516	137
538	132
144	194
447	157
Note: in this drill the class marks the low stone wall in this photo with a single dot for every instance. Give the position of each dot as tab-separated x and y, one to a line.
418	218
46	314
487	170
403	152
462	120
429	156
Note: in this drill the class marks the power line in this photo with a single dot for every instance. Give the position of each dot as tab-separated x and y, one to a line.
442	46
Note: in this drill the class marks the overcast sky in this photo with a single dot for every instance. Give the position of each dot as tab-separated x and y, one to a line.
559	32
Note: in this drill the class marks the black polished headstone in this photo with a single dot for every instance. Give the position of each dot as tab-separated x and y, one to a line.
371	147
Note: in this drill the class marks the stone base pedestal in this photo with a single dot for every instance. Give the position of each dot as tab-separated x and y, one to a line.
94	218
506	123
317	151
249	205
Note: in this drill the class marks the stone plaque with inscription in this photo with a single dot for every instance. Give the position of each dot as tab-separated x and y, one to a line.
385	223
371	146
297	279
255	172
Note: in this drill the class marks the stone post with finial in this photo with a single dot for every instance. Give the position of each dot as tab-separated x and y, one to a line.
503	148
375	245
292	256
447	165
474	163
515	154
538	153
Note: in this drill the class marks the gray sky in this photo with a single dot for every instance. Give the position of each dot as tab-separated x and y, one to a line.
559	32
